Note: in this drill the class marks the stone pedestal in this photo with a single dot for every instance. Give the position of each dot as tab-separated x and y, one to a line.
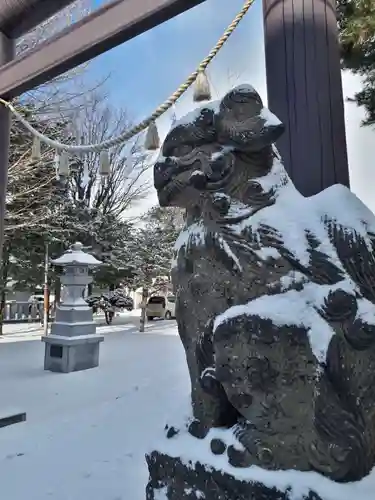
174	479
73	344
69	354
217	467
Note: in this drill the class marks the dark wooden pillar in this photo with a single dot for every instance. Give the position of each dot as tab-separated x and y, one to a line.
305	90
7	52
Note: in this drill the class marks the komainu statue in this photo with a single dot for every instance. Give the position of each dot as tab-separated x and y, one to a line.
276	312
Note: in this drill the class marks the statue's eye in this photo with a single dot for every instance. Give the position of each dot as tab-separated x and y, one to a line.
186	149
218	163
182	150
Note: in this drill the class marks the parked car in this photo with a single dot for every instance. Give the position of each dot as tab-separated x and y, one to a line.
170	307
161	307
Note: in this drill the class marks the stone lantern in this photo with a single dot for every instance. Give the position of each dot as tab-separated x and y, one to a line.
73	344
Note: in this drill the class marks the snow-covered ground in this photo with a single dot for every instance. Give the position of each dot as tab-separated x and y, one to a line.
86	433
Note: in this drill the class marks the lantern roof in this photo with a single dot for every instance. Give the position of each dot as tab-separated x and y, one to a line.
75	256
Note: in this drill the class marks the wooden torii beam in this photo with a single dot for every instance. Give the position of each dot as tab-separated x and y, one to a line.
302	61
104	29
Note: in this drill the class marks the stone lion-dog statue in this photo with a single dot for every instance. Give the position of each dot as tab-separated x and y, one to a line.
275	295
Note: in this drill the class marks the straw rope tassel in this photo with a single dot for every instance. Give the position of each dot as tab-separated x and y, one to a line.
202	90
56	162
152	140
36	149
105	164
104	167
63	167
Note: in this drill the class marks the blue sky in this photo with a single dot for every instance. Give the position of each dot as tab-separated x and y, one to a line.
146	70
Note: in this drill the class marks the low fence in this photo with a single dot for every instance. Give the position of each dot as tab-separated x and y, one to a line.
22	312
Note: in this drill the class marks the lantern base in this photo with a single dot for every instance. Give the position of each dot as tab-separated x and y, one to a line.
71	354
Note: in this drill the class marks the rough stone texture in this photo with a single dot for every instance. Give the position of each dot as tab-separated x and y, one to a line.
67	354
176	481
275	296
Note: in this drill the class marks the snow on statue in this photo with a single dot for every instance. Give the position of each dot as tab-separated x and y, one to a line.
275	304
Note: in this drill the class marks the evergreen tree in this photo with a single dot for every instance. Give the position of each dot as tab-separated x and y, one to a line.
33	202
153	251
356	19
114	246
155	242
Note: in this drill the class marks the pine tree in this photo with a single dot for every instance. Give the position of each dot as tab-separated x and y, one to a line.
155	242
153	251
114	247
356	20
32	205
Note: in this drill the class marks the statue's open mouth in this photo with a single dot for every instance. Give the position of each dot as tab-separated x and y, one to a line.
175	175
192	180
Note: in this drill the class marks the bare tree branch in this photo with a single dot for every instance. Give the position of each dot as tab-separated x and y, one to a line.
125	184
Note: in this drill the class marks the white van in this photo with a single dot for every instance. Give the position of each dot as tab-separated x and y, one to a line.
161	307
170	307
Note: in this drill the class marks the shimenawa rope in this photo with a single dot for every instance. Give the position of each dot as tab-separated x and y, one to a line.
128	134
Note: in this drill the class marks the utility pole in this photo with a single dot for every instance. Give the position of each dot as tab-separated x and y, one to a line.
142	320
46	290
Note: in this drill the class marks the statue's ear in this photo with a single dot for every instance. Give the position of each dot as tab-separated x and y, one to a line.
244	123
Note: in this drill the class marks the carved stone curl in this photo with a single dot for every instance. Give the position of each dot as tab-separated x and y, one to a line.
275	296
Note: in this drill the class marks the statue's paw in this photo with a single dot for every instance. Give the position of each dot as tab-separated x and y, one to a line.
218	447
239	458
244	433
252	453
197	429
